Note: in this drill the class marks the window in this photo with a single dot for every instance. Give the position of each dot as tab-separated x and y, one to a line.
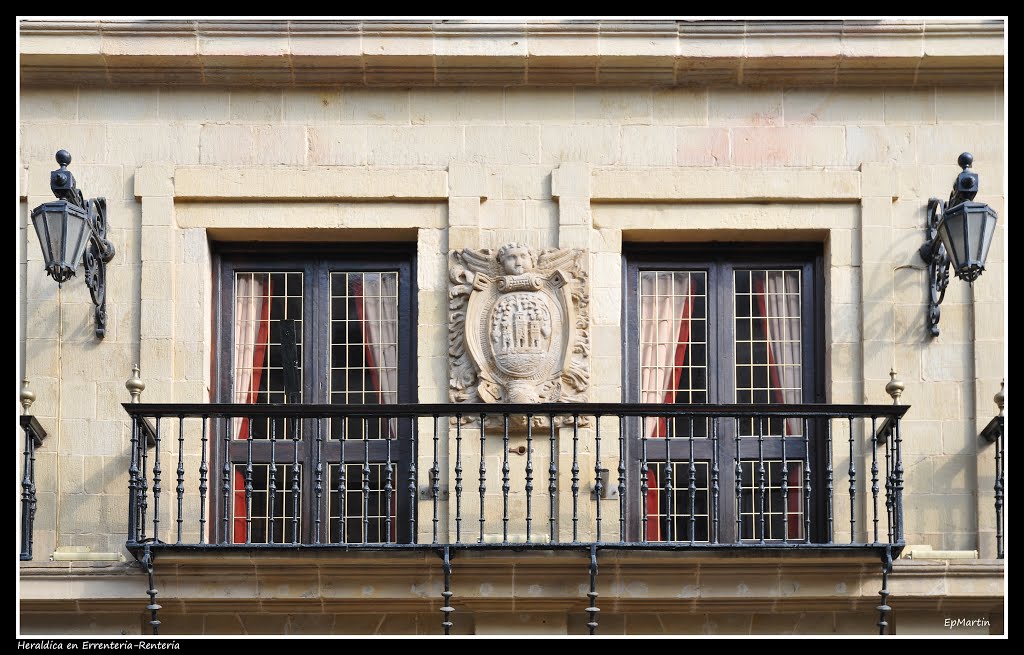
318	327
722	324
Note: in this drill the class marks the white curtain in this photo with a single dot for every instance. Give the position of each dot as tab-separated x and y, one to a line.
252	298
782	312
380	320
665	300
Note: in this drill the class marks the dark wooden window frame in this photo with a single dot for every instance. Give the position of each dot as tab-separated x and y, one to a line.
316	261
719	260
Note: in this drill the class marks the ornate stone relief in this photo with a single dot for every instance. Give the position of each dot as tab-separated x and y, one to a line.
518	326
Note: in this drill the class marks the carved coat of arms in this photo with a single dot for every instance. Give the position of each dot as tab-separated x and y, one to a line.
518	326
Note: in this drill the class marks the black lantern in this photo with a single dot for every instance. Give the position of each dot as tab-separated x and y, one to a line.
73	231
959	235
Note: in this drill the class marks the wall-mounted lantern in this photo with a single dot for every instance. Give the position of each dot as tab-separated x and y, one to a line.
73	231
959	234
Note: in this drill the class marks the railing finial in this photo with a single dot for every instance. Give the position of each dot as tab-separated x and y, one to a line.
999	398
135	385
895	387
27	397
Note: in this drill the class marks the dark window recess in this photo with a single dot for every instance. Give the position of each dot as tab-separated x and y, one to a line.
720	325
314	327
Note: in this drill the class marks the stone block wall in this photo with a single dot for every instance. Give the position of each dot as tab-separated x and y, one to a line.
586	167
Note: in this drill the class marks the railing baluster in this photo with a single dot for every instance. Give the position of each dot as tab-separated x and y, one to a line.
693	486
575	486
483	476
785	483
504	480
853	485
366	480
435	483
180	488
643	479
226	536
413	450
552	478
342	489
738	484
389	489
458	478
295	480
156	484
32	494
714	479
828	479
272	482
204	470
598	485
807	482
529	476
144	490
998	486
622	478
899	483
889	504
133	479
760	479
669	533
874	478
318	481
248	484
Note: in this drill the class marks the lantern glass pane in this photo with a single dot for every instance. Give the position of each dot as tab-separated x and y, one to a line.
39	222
951	231
77	238
987	232
55	221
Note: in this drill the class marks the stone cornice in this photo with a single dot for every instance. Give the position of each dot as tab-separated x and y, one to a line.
412	582
439	53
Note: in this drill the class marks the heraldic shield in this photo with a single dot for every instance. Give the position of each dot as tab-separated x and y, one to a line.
518	326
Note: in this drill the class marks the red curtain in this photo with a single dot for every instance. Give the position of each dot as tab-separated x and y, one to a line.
660	431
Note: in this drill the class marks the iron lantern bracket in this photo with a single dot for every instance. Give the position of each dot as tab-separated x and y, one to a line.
99	251
934	254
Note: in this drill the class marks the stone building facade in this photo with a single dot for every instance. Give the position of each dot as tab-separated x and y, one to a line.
598	137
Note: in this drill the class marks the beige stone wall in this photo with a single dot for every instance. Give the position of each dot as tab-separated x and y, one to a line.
550	167
477	167
540	592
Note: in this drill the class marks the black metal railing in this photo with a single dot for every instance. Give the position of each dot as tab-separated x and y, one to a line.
994	433
694	476
34	436
640	476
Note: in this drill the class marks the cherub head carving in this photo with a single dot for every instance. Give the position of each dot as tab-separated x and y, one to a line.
515	258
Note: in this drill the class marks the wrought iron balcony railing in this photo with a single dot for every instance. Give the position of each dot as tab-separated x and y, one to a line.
400	476
546	476
34	436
